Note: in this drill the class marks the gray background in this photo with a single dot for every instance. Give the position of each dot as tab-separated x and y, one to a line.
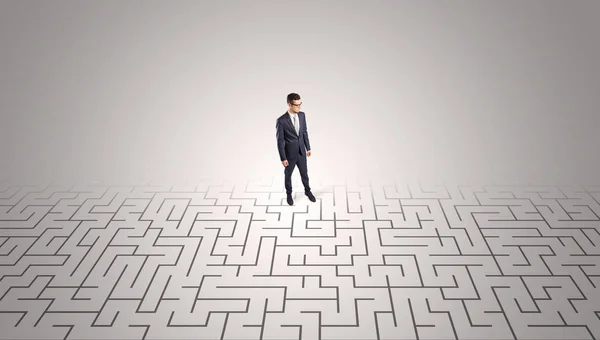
462	89
123	90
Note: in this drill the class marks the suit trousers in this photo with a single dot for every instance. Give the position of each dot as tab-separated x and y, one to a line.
302	167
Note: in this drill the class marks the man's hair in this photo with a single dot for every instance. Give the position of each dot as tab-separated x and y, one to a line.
291	97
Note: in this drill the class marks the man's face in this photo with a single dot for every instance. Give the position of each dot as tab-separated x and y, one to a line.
295	106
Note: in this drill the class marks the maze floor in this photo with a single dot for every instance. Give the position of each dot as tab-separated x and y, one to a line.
220	260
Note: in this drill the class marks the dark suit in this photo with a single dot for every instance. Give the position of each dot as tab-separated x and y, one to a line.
293	147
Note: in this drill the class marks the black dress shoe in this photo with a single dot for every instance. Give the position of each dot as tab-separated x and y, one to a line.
290	200
311	197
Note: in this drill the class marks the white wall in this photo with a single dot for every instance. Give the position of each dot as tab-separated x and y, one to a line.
185	89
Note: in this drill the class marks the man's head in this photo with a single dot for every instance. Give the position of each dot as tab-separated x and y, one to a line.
294	103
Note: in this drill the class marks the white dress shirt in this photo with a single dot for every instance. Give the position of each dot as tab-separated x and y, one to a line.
297	120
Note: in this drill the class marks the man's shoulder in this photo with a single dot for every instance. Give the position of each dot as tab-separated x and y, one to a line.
283	116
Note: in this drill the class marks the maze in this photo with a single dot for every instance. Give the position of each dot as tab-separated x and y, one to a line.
224	260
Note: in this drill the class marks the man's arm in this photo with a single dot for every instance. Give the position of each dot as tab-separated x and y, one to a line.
306	141
280	140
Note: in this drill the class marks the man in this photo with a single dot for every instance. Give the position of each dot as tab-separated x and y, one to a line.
293	145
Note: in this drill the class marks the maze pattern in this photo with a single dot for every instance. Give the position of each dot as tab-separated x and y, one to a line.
222	260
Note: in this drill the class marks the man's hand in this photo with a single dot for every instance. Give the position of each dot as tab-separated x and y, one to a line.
285	163
308	152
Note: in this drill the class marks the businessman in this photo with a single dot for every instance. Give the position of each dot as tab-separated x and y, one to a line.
293	145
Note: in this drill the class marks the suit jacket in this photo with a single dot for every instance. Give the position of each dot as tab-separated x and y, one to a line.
290	144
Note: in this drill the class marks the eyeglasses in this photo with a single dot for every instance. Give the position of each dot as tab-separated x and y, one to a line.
296	104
